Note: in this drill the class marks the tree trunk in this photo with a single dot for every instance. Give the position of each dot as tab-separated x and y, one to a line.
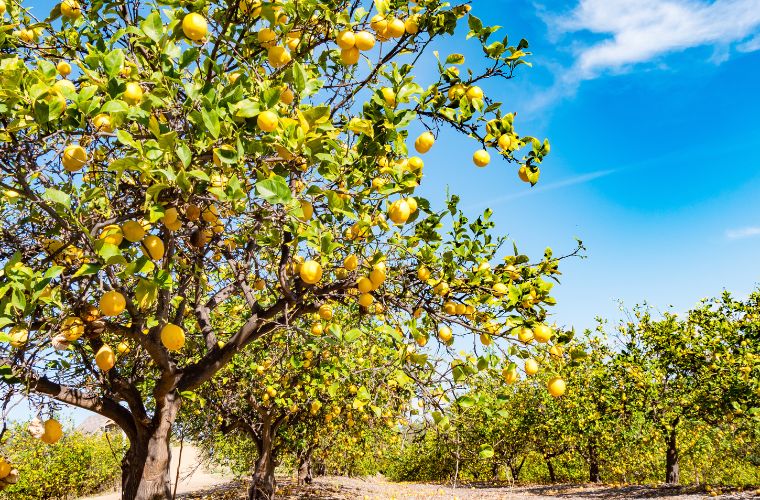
145	468
552	475
672	469
304	467
593	460
263	482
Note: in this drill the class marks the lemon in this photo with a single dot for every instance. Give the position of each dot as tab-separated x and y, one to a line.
173	337
105	358
194	26
311	272
74	157
112	303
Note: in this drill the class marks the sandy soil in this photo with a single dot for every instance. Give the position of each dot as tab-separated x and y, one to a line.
341	488
193	476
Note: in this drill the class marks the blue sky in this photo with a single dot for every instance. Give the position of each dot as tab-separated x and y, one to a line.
652	110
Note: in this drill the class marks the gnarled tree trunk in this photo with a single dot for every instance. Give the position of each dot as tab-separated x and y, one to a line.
304	467
263	483
145	468
672	469
550	467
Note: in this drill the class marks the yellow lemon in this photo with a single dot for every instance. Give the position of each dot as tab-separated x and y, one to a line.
445	334
70	9
424	142
531	367
366	299
351	262
102	123
112	303
311	272
63	68
53	431
556	386
112	234
364	40
105	358
133	93
153	247
267	121
349	57
346	39
194	26
74	157
133	231
481	158
72	328
325	312
173	337
542	333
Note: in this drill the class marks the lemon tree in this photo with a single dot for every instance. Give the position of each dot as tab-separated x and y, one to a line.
161	160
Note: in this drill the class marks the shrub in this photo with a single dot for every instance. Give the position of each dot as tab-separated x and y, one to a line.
75	466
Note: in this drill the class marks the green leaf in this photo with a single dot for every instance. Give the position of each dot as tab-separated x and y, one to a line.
152	26
113	62
57	196
485	451
455	59
299	77
361	126
211	121
352	335
274	190
466	401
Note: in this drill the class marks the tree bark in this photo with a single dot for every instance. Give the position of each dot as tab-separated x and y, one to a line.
145	468
304	467
552	474
263	483
593	460
672	469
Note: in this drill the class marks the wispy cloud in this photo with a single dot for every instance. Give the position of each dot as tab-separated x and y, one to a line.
742	233
542	188
639	31
628	33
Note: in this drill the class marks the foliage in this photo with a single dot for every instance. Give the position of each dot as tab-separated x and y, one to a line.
78	465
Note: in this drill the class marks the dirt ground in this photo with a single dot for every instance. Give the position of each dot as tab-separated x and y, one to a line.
342	488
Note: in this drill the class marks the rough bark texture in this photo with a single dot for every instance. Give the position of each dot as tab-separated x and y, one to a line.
304	468
145	468
263	483
672	469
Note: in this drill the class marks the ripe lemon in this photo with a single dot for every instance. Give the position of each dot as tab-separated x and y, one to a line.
325	312
542	333
399	211
396	28
510	375
485	339
524	334
173	337
351	262
133	231
311	272
481	158
364	285
72	328
415	164
102	123
74	157
317	329
423	273
499	289
389	96
63	68
346	39
349	57
450	308
474	92
123	348
505	142
364	40
112	234
170	215
556	386
266	37
531	367
411	26
18	336
133	93
194	26
287	97
112	303
252	7
105	358
380	25
522	173
70	9
153	247
556	351
445	334
53	431
366	299
5	468
424	142
267	121
278	56
377	277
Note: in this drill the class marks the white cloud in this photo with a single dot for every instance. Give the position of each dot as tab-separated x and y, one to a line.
744	232
638	31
